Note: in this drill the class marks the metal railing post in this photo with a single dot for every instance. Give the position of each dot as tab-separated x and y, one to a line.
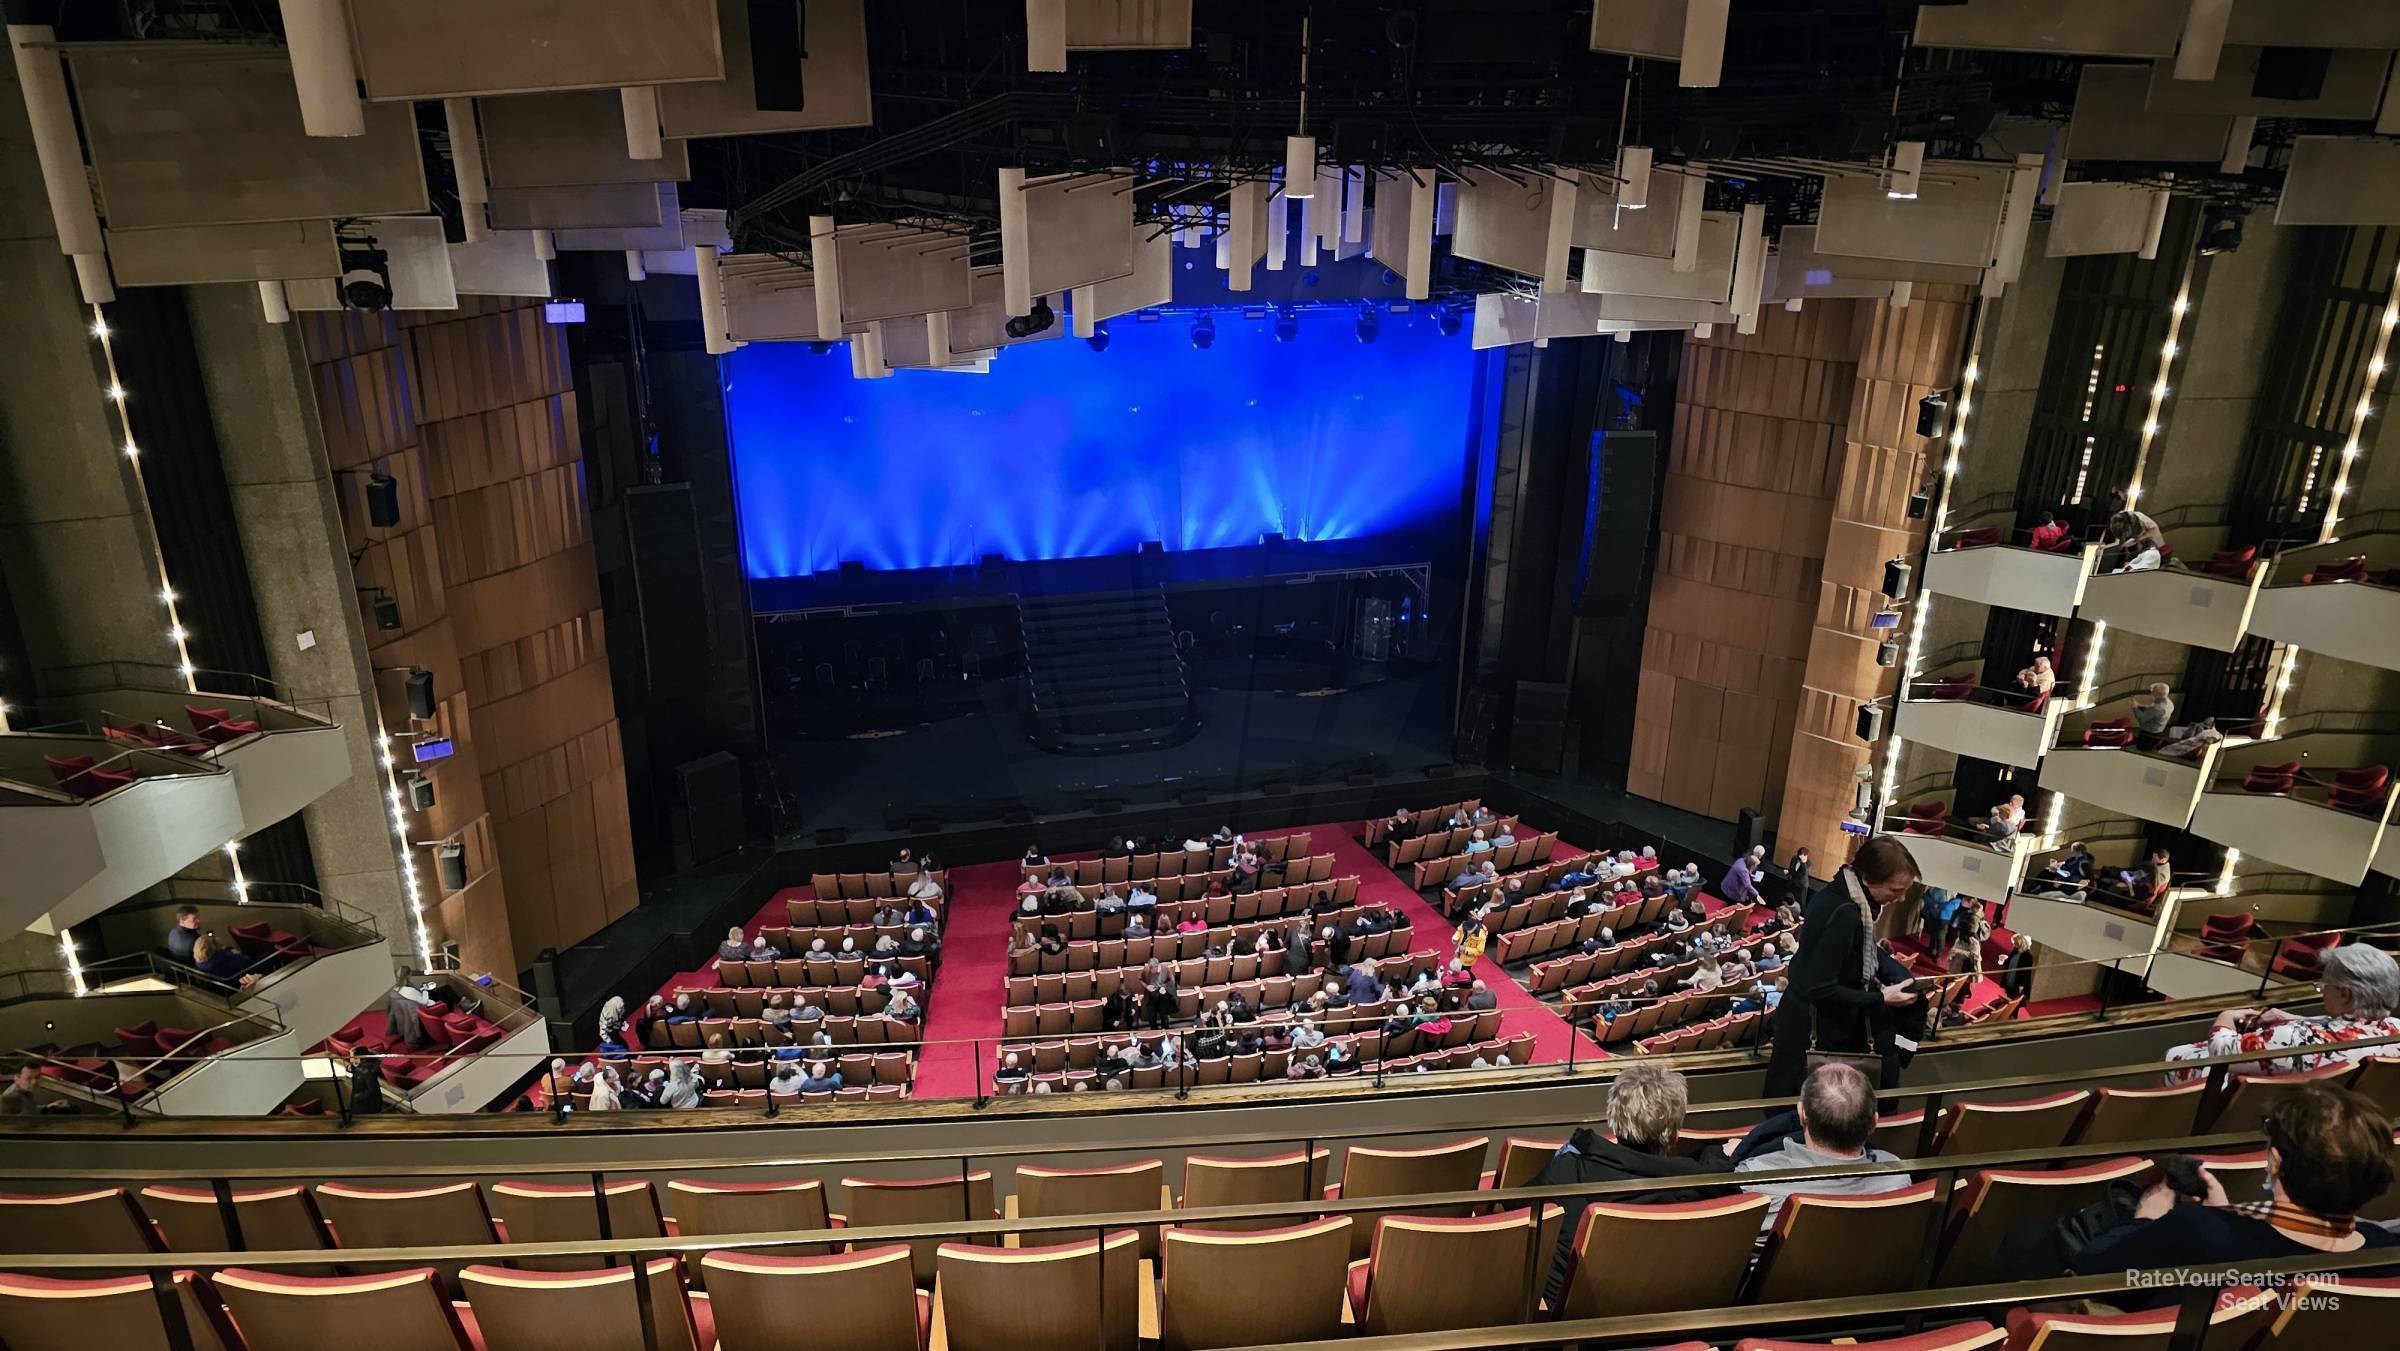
600	1201
228	1215
2115	968
116	1089
341	1099
170	1309
645	1300
1936	1220
982	1099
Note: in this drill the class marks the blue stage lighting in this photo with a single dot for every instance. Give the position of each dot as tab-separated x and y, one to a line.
1450	321
1370	324
1063	452
1287	325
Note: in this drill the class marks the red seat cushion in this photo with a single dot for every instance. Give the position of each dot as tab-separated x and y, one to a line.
2366	776
2233	563
308	1107
1982	536
229	730
2351	569
140	1039
203	718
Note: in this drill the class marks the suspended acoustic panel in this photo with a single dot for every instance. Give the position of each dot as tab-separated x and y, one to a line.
889	271
1152	282
1061	232
767	298
1954	218
502	263
1800	270
2061	27
983	323
1635	274
2095	218
2320	23
564	140
195	133
1688	32
2341	180
1400	227
667	234
698	226
1647	231
430	49
601	206
2112	121
923	344
2352	88
1502	221
833	78
1576	314
190	255
1503	320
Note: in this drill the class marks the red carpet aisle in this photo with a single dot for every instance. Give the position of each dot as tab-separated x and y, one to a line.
1519	1010
974	979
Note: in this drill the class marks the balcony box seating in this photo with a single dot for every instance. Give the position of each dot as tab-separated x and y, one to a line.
141	1039
2272	778
2360	790
1927	818
1981	537
2301	957
76	774
2225	938
2114	732
1956	685
2232	563
2351	569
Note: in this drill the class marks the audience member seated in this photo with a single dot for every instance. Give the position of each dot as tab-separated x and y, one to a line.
2329	1154
2361	987
185	932
2048	535
2153	713
2139	889
2036	682
1835	1117
226	965
1646	1108
2000	829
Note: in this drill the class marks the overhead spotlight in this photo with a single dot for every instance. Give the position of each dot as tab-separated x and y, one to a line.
1204	332
1449	321
1098	342
1287	324
1369	325
2220	229
820	348
366	271
1036	320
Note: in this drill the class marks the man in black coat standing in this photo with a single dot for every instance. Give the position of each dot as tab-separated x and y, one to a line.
1836	996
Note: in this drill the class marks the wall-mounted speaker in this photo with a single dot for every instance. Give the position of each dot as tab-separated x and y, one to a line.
450	864
1887	652
1933	416
1920	505
420	692
383	500
1895	579
420	791
1870	722
387	613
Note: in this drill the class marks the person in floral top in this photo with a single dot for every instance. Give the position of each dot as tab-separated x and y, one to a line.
2360	985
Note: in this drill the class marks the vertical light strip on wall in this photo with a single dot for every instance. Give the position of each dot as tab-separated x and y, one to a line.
2287	659
117	395
397	801
2167	353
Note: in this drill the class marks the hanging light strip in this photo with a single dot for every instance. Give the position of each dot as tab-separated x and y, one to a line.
176	633
2167	353
1893	745
396	802
2358	417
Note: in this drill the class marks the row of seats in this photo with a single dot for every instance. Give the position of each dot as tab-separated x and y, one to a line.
1213	860
866	886
827	911
1228	1283
1273	996
2363	789
1435	846
1523	851
1060	976
863	1030
792	940
1065	1064
1378	830
1556	935
1457	900
1169	945
1715	1033
814	973
1263	903
1468	1031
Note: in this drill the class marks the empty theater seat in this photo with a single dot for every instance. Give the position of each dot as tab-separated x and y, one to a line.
450	1214
1043	1299
1434	1273
273	1219
514	1308
1044	1193
389	1311
2239	1316
546	1212
865	1300
704	1207
111	1313
871	1203
101	1220
1991	1127
1825	1247
1215	1180
1369	1172
1651	1257
1290	1281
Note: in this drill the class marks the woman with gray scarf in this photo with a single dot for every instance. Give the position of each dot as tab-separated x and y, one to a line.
1834	998
682	1088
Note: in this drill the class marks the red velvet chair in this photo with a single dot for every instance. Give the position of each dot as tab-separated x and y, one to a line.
2225	938
228	729
76	774
2114	732
1927	818
2034	705
203	718
1958	685
2233	563
2351	569
1981	537
141	1039
2301	957
2271	778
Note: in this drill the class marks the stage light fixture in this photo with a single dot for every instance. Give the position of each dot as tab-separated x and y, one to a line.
1204	332
1036	320
366	282
1370	324
2220	229
1907	168
1098	342
1287	325
1449	321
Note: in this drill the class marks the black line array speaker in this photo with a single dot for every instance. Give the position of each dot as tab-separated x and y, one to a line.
777	46
1620	491
1745	830
420	692
1537	735
705	818
1478	716
383	501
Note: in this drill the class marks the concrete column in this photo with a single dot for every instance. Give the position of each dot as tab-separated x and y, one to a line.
264	412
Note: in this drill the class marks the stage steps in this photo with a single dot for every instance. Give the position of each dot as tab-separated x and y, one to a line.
1102	672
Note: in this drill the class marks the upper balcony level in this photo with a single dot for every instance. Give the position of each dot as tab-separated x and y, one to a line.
307	961
172	1052
2042	569
1971	856
2101	757
2340	599
112	791
2317	799
494	1040
1954	712
2200	595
